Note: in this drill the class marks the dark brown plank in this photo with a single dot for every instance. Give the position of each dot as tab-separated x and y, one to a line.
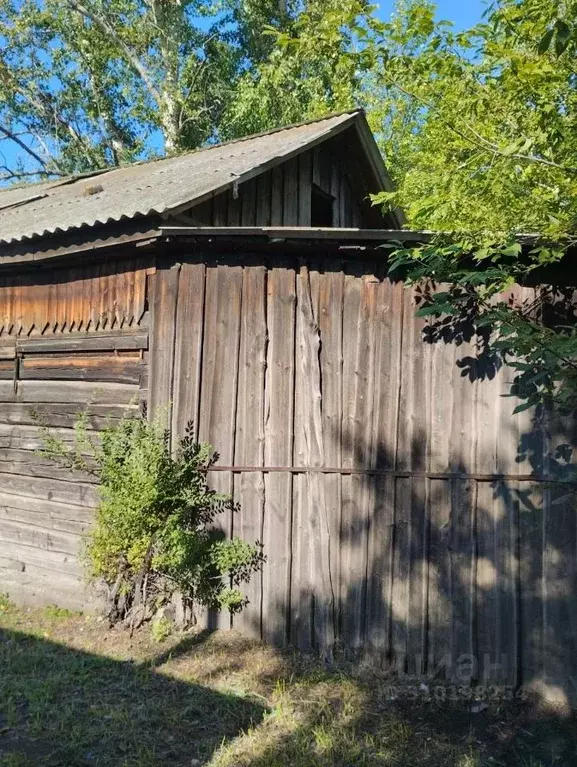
249	489
291	193
63	415
85	342
81	368
162	336
219	378
305	187
279	408
188	348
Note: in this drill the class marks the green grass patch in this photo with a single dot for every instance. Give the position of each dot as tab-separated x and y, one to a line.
74	694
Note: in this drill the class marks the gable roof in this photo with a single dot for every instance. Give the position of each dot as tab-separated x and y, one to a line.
168	185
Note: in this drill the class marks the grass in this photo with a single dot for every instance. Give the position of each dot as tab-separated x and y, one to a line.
73	694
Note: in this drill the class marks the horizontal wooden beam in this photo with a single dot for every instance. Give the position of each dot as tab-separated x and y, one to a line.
399	474
299	233
126	340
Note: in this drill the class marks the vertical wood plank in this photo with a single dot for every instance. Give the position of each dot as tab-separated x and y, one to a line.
162	337
248	201
263	200
384	432
305	189
279	408
308	446
496	578
411	533
559	588
220	209
531	579
335	191
277	196
249	489
462	506
319	526
291	193
217	423
331	360
357	493
188	349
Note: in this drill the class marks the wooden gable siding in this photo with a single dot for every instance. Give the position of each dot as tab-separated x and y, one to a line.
84	298
282	196
73	339
402	506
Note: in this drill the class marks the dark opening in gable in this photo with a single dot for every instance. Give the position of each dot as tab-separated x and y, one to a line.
321	207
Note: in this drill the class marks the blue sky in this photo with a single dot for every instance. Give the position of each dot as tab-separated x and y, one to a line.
464	13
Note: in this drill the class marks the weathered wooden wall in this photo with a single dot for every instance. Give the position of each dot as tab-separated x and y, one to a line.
71	338
282	196
400	502
392	487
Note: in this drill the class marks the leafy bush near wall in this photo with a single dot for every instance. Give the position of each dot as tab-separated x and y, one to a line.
155	533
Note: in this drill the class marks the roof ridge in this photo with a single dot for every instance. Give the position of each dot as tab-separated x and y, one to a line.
72	178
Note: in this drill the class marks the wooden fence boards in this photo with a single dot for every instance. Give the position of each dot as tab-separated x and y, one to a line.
361	444
220	377
396	542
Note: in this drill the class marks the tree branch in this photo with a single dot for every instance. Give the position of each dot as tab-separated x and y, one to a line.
479	142
13	137
130	55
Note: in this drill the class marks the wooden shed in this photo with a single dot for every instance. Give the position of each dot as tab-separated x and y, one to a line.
407	515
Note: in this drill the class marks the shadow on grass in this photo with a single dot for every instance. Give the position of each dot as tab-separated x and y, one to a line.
63	707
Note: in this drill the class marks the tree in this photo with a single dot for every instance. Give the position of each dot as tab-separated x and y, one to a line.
478	129
91	83
314	67
489	157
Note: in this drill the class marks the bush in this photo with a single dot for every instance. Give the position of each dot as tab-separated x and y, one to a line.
154	534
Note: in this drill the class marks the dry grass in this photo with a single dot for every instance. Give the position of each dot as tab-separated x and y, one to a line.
74	694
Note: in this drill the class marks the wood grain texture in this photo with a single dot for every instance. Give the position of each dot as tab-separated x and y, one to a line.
188	348
408	548
162	340
217	424
279	414
249	489
75	299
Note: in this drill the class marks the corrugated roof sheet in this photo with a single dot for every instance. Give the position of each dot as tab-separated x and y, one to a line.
150	188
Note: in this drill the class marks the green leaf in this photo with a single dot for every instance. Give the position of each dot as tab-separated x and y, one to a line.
523	406
545	41
563	35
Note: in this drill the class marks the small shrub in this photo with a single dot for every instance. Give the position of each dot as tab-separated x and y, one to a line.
154	533
161	628
5	603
